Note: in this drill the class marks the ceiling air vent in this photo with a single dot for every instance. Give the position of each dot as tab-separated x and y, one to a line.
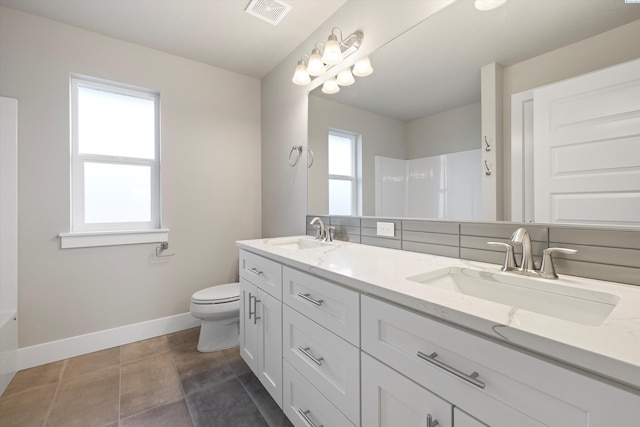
271	11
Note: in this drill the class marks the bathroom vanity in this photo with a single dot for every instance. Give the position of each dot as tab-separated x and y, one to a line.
343	334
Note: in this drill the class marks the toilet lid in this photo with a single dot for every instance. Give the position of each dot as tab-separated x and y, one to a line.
221	293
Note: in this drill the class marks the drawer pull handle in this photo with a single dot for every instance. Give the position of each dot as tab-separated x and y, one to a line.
431	422
472	378
317	302
307	419
256	271
306	352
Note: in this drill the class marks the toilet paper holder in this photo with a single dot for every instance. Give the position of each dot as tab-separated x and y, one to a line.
163	247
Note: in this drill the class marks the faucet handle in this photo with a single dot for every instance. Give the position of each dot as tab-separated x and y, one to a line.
547	270
327	233
509	259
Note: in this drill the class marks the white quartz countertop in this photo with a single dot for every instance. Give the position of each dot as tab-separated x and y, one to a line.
611	350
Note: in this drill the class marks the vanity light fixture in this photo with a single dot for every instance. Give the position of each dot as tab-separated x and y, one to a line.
485	5
363	67
301	75
316	66
345	78
331	86
324	57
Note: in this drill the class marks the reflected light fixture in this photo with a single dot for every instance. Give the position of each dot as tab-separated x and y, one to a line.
331	86
345	78
316	66
331	54
485	5
300	75
363	67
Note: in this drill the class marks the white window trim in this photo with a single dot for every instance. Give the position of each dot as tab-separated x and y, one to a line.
112	238
84	235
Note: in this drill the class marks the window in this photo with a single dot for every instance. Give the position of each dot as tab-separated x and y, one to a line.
343	173
115	157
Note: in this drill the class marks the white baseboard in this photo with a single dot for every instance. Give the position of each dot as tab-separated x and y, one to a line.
41	354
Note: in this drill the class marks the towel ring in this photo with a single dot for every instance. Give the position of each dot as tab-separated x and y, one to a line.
309	158
295	149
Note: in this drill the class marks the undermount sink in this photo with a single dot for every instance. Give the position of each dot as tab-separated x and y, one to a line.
540	296
296	243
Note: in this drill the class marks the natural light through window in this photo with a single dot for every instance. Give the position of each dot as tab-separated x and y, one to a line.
115	157
343	189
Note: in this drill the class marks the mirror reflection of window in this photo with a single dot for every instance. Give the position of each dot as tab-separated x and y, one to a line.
343	173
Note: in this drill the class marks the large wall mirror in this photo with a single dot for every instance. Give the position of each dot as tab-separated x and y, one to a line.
416	121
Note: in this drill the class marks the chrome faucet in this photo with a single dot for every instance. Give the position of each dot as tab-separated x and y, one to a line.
320	230
527	266
521	236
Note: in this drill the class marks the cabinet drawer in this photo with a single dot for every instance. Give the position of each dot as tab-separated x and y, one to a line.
334	307
500	395
302	400
262	272
330	363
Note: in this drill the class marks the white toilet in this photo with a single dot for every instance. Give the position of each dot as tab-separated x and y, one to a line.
219	309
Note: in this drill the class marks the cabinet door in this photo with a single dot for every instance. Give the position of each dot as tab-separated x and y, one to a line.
269	321
248	325
462	419
389	399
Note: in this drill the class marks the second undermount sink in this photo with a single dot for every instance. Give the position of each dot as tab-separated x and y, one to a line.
296	243
540	296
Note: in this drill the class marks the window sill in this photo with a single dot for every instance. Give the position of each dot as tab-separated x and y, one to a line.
112	238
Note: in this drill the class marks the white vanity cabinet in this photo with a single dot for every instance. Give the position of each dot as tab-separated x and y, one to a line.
390	399
490	383
321	331
261	320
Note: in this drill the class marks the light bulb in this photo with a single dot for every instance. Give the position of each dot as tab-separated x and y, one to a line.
345	78
316	66
330	86
300	75
362	68
332	54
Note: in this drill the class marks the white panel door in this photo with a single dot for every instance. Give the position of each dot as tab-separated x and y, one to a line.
587	148
269	312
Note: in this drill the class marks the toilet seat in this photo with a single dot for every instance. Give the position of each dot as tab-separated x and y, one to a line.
219	294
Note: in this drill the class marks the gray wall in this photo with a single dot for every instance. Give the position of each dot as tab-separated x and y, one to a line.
447	132
210	177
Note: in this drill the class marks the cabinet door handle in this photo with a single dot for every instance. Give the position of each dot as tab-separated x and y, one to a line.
306	352
251	312
307	419
255	308
307	297
256	271
431	422
472	378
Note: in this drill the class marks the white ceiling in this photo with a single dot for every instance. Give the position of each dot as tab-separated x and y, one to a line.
215	32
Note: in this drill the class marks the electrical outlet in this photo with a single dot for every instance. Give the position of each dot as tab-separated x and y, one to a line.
386	229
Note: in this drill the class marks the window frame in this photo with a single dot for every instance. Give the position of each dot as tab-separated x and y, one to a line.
353	179
113	232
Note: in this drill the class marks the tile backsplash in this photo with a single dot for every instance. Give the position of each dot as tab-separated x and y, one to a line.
612	255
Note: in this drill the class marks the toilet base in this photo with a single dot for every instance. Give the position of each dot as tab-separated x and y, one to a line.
218	335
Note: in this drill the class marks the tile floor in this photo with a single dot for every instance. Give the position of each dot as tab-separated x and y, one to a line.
159	382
